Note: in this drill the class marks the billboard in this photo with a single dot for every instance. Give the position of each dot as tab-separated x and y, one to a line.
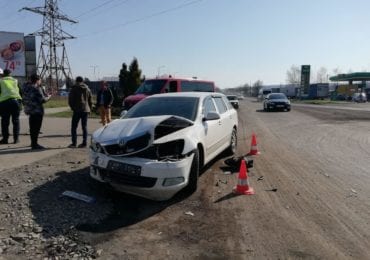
12	53
305	80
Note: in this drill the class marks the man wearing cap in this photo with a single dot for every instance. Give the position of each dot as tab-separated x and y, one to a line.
10	106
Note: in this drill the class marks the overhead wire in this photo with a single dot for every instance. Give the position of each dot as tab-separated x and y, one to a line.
142	18
19	17
74	26
95	8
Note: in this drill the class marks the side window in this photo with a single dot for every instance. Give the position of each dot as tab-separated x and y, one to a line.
221	106
228	104
208	106
173	86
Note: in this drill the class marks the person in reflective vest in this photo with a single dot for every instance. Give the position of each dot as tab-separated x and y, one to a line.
10	106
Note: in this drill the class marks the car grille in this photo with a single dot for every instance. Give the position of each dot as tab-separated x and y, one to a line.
120	178
130	146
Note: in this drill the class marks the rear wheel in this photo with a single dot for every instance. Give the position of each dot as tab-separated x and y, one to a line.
194	173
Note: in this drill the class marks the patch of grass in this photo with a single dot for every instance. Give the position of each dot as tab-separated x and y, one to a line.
64	114
318	101
68	114
56	101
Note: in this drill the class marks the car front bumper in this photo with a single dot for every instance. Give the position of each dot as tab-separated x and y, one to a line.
152	179
278	106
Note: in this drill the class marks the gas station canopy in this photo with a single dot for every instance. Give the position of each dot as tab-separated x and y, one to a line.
356	76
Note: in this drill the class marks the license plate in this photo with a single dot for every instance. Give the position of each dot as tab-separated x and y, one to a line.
124	168
280	106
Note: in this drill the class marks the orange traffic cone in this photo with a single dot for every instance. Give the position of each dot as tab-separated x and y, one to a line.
242	188
254	150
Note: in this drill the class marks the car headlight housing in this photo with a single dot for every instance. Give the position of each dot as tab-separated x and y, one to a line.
164	151
171	149
93	144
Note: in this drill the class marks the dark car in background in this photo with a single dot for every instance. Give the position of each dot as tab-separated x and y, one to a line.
276	101
233	100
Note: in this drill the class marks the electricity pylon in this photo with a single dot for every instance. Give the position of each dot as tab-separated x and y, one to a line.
52	63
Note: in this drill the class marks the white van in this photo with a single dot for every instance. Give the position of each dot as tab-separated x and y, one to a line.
262	93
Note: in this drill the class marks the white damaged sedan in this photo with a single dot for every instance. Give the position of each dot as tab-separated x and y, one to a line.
159	146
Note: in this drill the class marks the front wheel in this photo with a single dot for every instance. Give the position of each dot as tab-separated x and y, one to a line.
194	173
233	143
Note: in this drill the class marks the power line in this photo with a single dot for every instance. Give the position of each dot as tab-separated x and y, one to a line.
19	17
143	18
101	12
95	8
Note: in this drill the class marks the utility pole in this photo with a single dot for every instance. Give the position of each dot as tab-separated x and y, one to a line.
94	67
52	64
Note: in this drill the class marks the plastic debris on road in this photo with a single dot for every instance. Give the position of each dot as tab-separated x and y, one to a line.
189	213
78	196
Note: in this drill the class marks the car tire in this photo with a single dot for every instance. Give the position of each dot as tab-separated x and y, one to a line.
233	143
193	174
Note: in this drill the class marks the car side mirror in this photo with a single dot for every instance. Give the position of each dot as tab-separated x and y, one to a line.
212	115
123	113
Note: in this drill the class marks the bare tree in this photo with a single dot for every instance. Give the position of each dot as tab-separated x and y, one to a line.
293	75
322	75
337	71
256	87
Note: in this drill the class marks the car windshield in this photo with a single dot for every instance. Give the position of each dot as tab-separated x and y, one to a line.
178	106
151	87
277	96
232	98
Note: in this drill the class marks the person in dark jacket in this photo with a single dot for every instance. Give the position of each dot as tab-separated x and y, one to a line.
33	99
104	102
80	101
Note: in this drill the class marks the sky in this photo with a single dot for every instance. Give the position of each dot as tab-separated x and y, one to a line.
231	42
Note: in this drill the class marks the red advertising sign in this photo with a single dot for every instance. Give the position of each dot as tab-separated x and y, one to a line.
12	53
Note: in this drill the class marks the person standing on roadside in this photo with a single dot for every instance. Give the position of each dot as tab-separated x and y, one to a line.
80	101
10	106
104	102
33	99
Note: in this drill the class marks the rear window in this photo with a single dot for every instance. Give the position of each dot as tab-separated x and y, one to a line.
150	87
187	86
232	98
277	96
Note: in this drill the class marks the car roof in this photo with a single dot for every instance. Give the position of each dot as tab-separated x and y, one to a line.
187	94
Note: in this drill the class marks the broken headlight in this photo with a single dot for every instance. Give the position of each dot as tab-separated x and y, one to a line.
171	149
163	151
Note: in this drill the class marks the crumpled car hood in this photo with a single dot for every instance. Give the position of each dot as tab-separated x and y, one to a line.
123	128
